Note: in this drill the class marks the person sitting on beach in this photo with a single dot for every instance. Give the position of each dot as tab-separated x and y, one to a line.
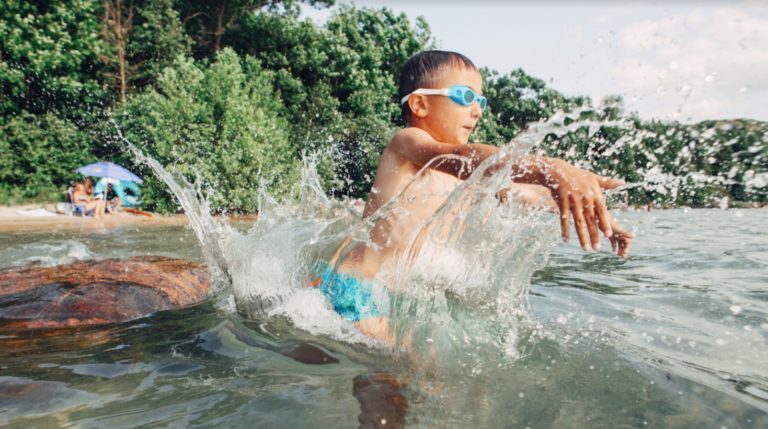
442	103
112	200
91	206
105	191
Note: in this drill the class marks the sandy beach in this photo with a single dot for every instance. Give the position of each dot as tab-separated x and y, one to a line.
31	217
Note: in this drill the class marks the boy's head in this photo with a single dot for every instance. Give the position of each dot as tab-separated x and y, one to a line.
449	119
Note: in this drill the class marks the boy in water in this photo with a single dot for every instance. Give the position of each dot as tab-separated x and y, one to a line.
442	103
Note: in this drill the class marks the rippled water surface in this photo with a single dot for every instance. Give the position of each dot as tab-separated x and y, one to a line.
674	336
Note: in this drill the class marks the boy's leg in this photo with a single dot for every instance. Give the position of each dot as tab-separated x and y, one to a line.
377	328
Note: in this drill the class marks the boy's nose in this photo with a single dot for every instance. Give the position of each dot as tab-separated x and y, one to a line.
476	110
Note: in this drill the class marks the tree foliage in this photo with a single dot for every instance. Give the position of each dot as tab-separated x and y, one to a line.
38	155
50	51
219	125
141	38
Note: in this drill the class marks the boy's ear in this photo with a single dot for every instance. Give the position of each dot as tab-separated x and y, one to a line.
419	105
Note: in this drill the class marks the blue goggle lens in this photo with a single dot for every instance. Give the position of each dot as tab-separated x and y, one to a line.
465	96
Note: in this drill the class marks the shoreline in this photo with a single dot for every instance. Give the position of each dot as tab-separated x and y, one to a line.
42	217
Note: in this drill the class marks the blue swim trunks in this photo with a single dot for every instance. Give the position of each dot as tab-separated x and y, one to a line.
351	296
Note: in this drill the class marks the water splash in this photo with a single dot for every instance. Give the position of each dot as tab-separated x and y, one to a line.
211	234
47	254
458	290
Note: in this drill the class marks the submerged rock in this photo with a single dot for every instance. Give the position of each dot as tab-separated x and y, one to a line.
381	399
97	292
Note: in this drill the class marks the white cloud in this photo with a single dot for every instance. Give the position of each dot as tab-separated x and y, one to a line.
697	64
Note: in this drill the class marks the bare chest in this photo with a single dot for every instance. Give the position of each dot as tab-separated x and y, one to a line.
428	191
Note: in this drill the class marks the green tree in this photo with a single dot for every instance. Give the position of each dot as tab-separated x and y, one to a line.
49	57
209	22
219	125
338	82
38	154
517	99
158	39
142	37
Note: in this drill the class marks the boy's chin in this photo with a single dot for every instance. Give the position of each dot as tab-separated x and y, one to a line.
463	139
465	136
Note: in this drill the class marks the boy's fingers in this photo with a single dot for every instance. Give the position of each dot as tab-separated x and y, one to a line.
604	217
565	211
608	183
578	221
624	248
613	244
594	233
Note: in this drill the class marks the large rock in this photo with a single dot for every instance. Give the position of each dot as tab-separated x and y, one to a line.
97	292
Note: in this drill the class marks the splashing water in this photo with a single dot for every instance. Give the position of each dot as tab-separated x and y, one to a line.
47	254
211	233
480	338
458	291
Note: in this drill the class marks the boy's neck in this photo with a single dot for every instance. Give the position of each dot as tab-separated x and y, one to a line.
420	125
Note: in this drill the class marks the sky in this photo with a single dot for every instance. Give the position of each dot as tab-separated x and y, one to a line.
676	60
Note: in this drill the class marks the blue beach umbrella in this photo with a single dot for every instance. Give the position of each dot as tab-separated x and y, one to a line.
110	170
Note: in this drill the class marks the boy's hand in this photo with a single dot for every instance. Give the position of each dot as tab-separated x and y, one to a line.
621	239
580	193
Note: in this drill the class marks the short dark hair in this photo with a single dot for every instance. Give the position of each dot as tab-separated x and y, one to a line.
421	70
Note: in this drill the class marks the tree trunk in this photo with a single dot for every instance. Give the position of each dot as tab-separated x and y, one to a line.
219	31
117	26
120	47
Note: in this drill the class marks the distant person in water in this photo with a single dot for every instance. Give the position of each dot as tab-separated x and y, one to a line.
442	102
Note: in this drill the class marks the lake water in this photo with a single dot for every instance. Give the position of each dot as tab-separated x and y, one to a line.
675	336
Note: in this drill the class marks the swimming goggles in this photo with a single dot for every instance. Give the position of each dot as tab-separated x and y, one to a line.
460	94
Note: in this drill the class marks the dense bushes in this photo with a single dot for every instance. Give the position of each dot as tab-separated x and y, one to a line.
38	155
218	124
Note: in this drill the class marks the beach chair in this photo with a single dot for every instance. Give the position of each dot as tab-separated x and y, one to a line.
70	208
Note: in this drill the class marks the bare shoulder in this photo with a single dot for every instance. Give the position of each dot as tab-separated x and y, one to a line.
409	135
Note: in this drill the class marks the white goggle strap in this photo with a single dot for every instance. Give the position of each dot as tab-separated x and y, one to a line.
426	91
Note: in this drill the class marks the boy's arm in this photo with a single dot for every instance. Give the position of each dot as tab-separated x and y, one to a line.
418	147
577	192
536	196
531	196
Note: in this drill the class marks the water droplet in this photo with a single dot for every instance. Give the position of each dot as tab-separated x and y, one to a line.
735	309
